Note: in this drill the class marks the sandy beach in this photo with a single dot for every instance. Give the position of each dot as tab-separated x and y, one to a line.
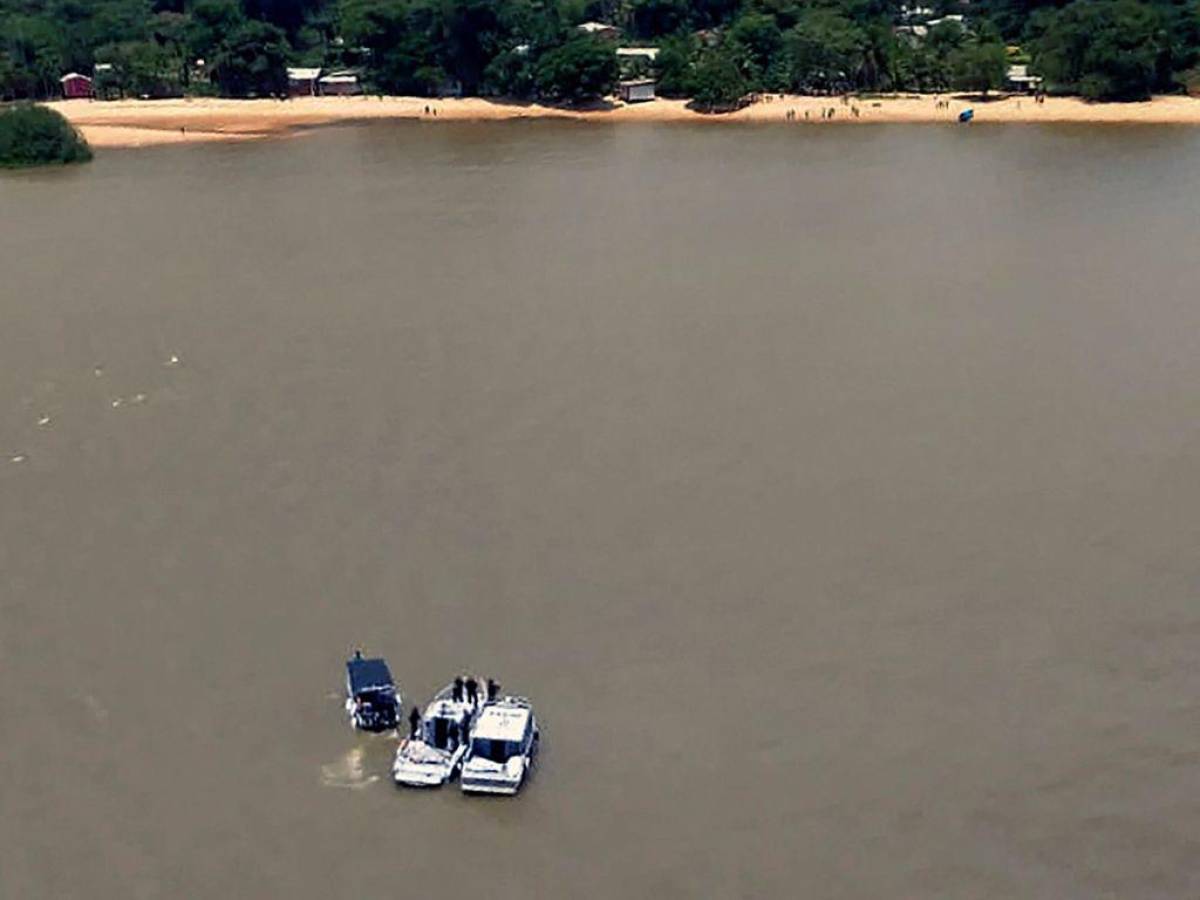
136	123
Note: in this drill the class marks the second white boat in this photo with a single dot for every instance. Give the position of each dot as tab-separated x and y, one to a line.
434	755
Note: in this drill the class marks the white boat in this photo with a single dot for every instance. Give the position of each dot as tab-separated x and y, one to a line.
434	755
504	742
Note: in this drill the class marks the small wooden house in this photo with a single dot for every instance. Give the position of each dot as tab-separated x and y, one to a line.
636	90
302	82
76	86
600	30
340	84
1018	79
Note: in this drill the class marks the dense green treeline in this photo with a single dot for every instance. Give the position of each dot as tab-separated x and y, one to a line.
715	51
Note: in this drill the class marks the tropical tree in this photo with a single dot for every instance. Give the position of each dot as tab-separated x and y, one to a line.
1104	49
718	83
139	68
37	53
655	18
583	68
252	61
674	65
826	52
979	67
208	24
755	41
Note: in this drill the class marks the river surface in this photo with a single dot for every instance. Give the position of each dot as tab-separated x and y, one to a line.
833	493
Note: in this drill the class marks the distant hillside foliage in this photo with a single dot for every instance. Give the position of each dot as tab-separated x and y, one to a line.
711	50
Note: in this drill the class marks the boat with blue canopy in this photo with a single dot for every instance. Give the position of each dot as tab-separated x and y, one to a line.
372	700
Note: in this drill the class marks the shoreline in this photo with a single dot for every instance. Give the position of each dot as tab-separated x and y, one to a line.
141	123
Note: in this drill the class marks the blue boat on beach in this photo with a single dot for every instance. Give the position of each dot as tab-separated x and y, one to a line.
966	115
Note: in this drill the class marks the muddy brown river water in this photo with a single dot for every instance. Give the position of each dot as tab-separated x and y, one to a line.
833	494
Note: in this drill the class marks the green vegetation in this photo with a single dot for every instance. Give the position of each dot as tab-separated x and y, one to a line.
717	83
1115	49
582	68
715	51
34	136
980	66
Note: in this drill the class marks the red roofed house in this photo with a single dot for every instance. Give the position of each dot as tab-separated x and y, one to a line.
75	86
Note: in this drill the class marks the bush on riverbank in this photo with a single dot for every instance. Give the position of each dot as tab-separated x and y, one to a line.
35	136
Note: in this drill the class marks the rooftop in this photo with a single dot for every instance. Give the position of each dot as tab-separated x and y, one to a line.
638	52
298	73
503	721
368	674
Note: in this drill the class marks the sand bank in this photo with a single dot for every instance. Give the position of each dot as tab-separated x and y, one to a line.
128	123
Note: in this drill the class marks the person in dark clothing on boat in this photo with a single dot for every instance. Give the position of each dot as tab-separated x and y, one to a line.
452	735
456	691
414	722
493	688
472	690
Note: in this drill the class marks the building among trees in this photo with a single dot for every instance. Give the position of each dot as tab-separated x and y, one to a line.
714	52
76	86
340	84
601	30
302	82
636	90
1018	79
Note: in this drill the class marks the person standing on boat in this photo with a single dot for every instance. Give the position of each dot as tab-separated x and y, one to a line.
493	688
456	691
414	722
472	690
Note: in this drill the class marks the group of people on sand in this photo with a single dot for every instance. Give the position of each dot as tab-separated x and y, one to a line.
827	112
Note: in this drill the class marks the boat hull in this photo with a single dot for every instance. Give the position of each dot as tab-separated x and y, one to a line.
506	789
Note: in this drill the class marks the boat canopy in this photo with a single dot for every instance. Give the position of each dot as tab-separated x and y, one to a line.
367	675
504	721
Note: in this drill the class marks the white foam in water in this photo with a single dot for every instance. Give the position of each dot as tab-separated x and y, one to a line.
347	772
95	707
